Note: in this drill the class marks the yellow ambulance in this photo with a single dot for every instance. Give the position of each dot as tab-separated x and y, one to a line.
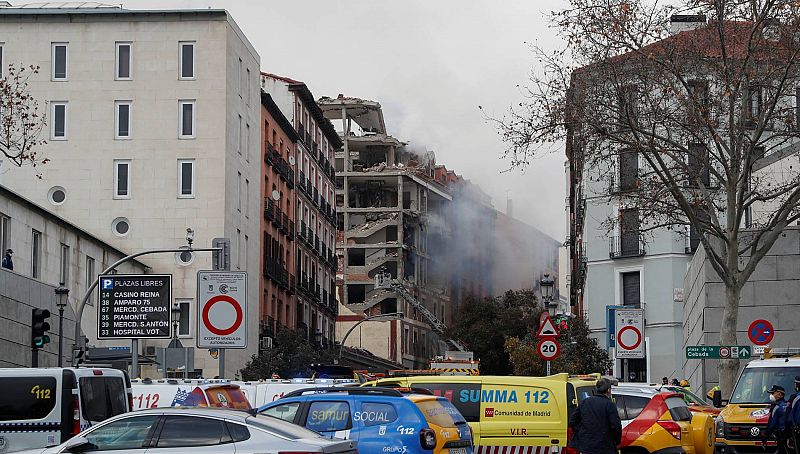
527	413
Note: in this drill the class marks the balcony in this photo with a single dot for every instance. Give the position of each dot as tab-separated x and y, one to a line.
275	271
622	184
301	180
626	245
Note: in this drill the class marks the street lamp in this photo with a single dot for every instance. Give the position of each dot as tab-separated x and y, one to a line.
547	285
62	293
382	317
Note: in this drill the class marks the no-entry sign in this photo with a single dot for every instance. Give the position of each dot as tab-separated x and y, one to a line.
630	333
222	310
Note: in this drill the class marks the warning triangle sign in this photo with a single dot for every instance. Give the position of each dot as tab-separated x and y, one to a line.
546	327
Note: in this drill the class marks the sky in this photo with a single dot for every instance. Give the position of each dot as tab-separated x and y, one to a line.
430	63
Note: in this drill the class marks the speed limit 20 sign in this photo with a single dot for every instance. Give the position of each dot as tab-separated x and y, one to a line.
548	349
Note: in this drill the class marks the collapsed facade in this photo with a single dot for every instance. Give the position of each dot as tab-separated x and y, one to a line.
385	194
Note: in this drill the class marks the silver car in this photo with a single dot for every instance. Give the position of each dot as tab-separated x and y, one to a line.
198	430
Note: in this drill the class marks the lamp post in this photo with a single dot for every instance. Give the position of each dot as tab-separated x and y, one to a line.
383	317
61	302
546	285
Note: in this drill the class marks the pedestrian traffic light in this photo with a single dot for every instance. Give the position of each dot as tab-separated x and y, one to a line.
39	328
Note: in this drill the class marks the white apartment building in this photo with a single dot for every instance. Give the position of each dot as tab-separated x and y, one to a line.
153	128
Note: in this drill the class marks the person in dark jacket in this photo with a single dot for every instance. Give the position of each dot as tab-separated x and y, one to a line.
596	425
793	419
777	424
8	262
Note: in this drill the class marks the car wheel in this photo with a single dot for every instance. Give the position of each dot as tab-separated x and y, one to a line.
703	433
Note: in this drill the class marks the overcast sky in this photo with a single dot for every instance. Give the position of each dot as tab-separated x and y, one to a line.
430	63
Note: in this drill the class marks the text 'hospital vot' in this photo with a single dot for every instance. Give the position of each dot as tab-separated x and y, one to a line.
134	306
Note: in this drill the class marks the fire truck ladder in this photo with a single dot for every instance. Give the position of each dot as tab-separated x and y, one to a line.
436	325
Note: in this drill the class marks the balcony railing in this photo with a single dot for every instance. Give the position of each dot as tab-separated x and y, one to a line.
621	185
626	245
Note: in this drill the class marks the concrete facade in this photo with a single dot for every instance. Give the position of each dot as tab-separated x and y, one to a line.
60	243
770	293
222	143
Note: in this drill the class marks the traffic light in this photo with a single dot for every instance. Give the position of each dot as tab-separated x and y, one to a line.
562	323
39	328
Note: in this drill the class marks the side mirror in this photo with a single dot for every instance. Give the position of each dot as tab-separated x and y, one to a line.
717	398
77	444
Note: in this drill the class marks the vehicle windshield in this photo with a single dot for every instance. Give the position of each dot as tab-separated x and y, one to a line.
690	397
755	381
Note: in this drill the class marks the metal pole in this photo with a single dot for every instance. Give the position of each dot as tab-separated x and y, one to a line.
78	345
341	346
221	363
185	362
60	336
34	357
548	368
135	358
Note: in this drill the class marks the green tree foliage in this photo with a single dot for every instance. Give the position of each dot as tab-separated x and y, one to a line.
483	325
501	333
290	357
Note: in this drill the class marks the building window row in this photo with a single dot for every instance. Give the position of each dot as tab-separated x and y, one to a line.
123	61
123	120
186	178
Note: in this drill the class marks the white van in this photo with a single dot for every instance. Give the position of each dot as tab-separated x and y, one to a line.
267	391
47	406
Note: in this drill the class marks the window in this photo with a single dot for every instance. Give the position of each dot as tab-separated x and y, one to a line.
628	108
753	106
64	273
185	431
247	142
239	144
329	416
185	178
120	226
628	171
239	249
102	397
187	119
57	195
631	295
126	433
90	276
124	61
378	413
239	191
698	165
4	234
184	320
239	80
186	70
36	253
247	86
59	61
58	128
18	401
698	102
122	179
246	198
2	50
239	432
630	237
286	412
122	119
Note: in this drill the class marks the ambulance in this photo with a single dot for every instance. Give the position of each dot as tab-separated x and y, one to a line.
528	414
44	407
741	424
149	393
260	393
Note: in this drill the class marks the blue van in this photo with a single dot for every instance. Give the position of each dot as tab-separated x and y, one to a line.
382	420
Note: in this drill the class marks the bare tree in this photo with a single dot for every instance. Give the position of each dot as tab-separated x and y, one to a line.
21	122
711	113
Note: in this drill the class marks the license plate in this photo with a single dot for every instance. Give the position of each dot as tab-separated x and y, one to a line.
458	451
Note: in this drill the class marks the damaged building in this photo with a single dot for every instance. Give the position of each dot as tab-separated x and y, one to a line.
385	195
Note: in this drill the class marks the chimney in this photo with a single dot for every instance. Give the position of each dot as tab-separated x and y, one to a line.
682	22
509	208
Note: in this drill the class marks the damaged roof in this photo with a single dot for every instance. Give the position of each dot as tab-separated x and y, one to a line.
367	114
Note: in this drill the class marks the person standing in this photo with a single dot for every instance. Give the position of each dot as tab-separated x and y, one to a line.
596	423
793	419
777	411
8	263
664	381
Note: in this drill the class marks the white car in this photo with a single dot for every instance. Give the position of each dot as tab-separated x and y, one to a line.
198	430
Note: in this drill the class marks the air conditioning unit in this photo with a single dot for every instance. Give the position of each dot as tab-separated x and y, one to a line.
266	343
150	350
